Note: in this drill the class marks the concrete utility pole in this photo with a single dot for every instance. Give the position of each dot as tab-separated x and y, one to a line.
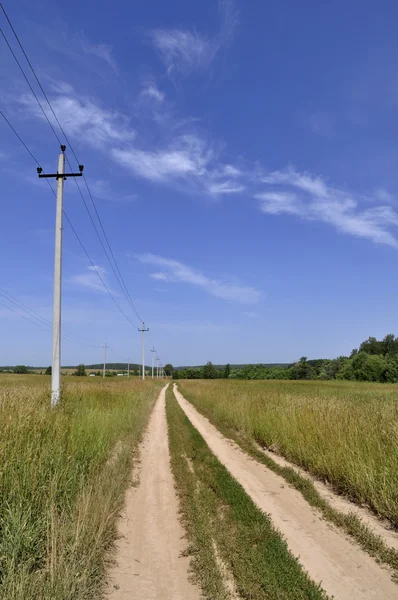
157	367
105	347
60	176
143	330
153	350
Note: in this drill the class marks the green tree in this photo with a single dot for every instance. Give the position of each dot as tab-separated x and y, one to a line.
21	370
209	371
80	371
168	369
227	371
49	371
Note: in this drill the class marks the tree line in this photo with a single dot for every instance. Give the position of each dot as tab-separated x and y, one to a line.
373	361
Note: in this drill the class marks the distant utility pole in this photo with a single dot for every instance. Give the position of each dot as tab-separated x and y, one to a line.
105	347
157	367
128	367
60	176
143	330
153	350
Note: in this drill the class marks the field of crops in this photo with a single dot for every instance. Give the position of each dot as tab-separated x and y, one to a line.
345	433
62	480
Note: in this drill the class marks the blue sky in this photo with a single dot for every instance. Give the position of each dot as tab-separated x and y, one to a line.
242	156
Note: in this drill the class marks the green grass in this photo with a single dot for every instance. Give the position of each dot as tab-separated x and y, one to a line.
342	432
62	481
217	512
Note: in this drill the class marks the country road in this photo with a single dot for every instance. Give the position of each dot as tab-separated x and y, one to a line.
149	559
149	565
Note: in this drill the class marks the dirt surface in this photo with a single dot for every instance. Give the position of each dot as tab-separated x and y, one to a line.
378	527
149	562
328	556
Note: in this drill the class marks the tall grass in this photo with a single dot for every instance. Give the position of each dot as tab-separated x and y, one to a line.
63	473
346	433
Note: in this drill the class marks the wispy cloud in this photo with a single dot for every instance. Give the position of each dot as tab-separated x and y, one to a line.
151	90
102	51
251	314
176	271
90	279
82	118
185	51
189	158
311	198
103	190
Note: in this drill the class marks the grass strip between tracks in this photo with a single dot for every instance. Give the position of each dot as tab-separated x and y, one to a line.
218	514
351	524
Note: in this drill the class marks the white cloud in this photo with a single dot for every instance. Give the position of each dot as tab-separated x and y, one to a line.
251	314
187	156
83	119
225	187
311	198
102	51
151	90
175	271
159	276
91	279
186	50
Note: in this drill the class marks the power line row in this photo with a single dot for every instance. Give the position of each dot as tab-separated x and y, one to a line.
111	258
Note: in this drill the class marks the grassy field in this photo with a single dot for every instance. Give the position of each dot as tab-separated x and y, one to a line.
343	432
63	473
234	548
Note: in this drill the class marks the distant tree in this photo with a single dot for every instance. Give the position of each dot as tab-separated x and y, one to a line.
49	371
227	371
21	370
168	369
80	371
209	371
175	374
302	370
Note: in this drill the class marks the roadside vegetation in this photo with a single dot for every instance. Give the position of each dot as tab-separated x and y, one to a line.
235	551
344	433
62	481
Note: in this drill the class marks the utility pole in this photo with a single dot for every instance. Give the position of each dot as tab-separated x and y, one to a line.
128	366
143	330
105	347
60	176
153	350
157	367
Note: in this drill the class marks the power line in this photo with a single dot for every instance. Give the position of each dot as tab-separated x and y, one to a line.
118	274
96	270
28	82
67	335
37	79
73	229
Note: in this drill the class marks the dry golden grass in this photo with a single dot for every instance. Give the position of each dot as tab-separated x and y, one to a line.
62	481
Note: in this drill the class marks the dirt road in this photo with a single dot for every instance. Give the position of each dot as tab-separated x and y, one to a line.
149	562
328	556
